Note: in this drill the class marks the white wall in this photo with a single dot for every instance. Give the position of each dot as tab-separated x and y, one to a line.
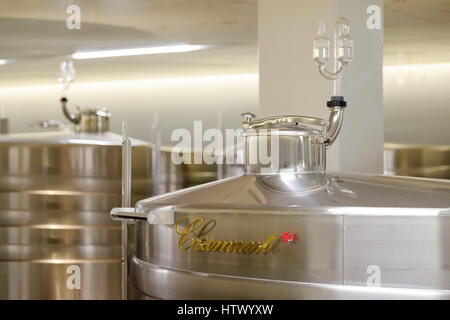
178	101
416	97
417	104
291	84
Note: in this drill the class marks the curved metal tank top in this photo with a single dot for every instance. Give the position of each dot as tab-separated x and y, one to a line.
294	231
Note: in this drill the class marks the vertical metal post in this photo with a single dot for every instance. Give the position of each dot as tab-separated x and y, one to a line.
222	153
155	139
126	202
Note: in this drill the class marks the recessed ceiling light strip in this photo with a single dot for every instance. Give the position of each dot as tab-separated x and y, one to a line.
137	51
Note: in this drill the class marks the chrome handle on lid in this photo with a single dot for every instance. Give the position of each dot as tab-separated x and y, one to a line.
280	120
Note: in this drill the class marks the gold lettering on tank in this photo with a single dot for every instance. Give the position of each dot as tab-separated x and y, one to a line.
193	237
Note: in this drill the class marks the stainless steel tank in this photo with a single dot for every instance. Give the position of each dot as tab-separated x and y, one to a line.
417	160
290	230
56	189
57	240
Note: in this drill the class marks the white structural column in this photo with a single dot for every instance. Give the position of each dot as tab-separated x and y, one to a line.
291	84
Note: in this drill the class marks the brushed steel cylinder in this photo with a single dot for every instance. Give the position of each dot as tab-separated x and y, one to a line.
417	161
359	237
56	238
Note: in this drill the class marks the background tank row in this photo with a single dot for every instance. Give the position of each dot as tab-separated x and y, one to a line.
57	240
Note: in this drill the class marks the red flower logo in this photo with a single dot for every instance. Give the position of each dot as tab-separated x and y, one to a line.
286	237
290	237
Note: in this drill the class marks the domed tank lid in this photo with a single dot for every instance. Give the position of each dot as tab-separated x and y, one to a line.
247	195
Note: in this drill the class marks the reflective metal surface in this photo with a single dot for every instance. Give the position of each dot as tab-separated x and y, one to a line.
56	238
353	227
417	161
293	231
174	177
56	189
167	283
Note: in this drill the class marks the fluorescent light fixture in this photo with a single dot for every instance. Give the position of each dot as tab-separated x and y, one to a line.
3	61
137	51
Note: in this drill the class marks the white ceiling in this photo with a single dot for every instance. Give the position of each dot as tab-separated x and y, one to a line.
35	34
